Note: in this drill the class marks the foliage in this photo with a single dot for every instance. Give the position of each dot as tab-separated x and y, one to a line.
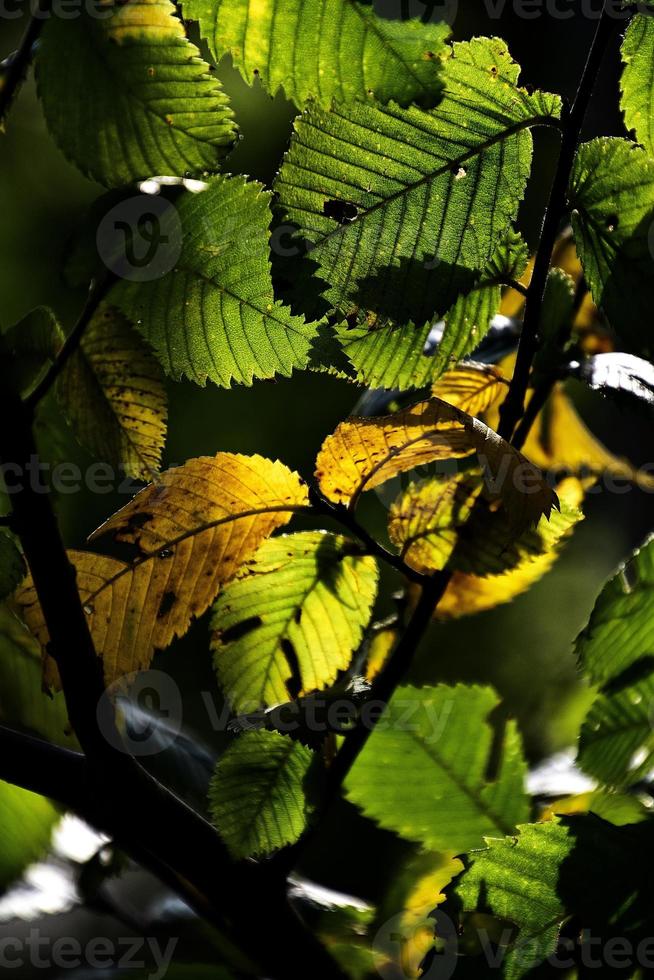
388	254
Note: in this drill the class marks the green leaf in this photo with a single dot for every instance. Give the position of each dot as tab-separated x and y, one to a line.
127	96
638	79
616	742
612	196
257	794
112	392
12	566
23	704
27	821
422	775
386	355
581	869
292	619
402	208
325	49
215	316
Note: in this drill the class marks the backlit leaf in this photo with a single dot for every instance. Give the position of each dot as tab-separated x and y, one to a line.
421	775
193	529
27	821
258	793
112	391
615	651
325	49
145	102
403	208
292	618
638	79
363	453
215	316
612	196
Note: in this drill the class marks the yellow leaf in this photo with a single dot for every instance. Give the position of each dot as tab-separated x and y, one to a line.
112	392
424	522
379	650
467	593
365	452
472	387
193	529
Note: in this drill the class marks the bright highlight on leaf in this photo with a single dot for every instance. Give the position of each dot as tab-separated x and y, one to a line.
324	49
27	821
258	793
421	775
638	79
147	102
215	315
193	530
363	453
403	208
112	391
292	618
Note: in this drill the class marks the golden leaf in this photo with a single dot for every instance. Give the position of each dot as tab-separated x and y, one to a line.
363	453
472	387
424	522
467	593
112	392
194	529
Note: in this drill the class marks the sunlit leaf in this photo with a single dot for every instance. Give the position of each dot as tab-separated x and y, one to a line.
616	808
638	79
27	821
389	355
615	651
421	775
472	387
144	101
403	208
364	453
612	196
258	793
292	618
467	593
112	391
215	315
325	49
193	530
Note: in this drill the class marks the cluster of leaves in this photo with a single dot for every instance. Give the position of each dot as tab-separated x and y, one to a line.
407	166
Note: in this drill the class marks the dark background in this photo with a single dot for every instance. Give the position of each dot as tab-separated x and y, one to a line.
525	648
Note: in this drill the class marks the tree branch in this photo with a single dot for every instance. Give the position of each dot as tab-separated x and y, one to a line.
18	63
513	406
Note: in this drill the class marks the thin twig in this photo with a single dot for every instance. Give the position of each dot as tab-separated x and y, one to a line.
97	292
513	406
19	63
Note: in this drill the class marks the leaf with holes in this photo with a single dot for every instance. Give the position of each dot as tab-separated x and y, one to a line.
258	795
215	315
422	776
324	49
150	104
292	618
192	529
403	208
112	392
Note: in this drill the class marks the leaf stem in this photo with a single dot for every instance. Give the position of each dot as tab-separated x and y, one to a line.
514	404
18	63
